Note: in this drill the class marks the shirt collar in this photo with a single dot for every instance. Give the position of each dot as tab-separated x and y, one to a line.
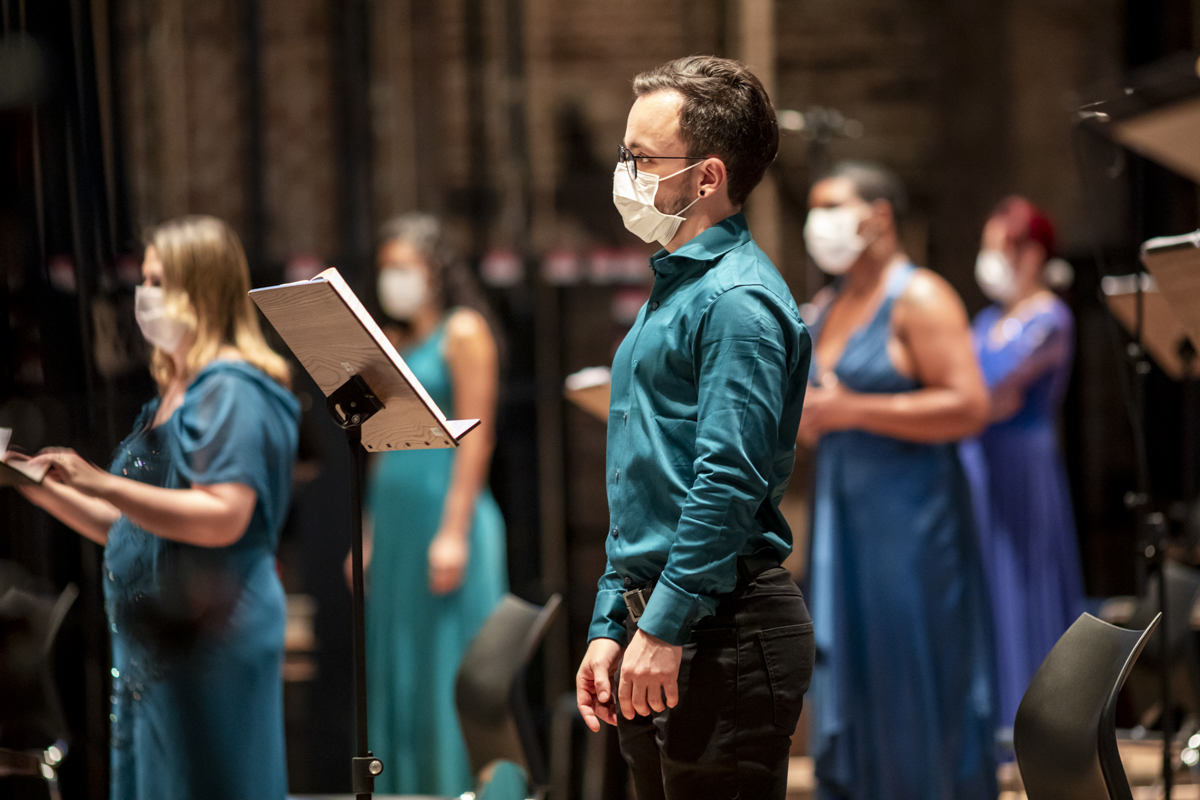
709	245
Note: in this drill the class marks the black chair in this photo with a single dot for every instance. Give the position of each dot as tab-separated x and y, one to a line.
494	714
32	730
493	711
1144	687
1065	733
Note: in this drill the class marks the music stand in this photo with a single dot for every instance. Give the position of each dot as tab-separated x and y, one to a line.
374	397
1164	324
1162	333
1155	114
589	389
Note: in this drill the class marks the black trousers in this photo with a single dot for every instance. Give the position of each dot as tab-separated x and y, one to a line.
741	686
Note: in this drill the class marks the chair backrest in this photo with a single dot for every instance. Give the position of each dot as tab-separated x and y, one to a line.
1065	733
1144	685
489	694
30	713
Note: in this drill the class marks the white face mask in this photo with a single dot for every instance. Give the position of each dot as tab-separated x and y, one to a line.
635	201
995	275
402	291
160	329
831	235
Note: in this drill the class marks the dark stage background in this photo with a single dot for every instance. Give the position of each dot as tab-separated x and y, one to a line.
306	123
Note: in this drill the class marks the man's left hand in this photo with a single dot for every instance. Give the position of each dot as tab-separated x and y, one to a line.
649	676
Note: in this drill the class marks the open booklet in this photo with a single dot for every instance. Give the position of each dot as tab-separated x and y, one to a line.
334	337
14	468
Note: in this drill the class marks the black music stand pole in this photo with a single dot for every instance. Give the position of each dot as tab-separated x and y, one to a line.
1154	537
351	405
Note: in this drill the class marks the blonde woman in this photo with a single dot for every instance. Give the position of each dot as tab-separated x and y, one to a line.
189	514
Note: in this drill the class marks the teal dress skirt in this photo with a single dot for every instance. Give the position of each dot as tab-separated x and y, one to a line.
416	640
197	632
903	691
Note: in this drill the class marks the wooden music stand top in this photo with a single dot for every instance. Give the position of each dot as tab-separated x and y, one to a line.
1162	332
589	389
334	338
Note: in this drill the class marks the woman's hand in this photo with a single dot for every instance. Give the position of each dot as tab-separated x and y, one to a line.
1005	401
825	411
70	468
447	561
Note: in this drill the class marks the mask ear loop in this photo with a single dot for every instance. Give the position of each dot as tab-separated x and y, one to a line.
680	212
680	172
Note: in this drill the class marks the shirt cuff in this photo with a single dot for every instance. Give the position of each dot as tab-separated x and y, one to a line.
671	612
608	618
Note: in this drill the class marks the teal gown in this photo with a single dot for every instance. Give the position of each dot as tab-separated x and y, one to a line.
197	633
415	640
903	692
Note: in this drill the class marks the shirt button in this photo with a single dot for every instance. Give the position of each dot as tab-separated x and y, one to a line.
616	532
654	306
618	476
628	582
625	417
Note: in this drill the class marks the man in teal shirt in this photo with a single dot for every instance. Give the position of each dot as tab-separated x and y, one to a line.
707	390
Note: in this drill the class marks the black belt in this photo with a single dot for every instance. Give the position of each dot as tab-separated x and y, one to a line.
748	568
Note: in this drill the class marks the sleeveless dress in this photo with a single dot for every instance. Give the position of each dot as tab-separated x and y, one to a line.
1022	499
415	640
902	692
197	632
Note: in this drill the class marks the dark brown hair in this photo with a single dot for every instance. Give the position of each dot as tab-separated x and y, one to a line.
873	182
726	113
451	279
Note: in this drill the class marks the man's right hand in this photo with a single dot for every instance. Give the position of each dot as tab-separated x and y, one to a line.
593	683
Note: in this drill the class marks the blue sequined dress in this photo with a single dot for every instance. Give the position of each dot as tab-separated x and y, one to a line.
1022	499
197	633
902	692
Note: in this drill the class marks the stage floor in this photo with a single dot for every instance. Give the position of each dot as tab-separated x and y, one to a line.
1142	760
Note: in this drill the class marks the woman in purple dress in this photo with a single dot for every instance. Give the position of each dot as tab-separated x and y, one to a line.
1024	342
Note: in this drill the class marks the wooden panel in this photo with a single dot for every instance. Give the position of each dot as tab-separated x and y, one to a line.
334	338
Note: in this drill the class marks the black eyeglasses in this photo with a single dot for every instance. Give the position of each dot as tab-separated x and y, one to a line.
630	160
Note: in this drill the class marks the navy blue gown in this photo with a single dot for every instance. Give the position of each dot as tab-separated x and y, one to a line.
1022	499
197	633
902	692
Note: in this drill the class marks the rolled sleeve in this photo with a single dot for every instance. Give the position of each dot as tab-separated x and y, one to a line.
742	366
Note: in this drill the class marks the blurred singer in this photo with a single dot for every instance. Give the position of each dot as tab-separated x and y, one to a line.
903	699
435	546
1024	342
189	514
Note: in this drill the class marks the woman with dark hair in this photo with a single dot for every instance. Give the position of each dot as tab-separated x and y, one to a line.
189	514
902	689
1024	343
435	550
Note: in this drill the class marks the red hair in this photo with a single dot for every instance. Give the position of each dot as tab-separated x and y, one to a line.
1026	222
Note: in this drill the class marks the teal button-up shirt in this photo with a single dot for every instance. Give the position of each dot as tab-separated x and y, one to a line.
707	390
